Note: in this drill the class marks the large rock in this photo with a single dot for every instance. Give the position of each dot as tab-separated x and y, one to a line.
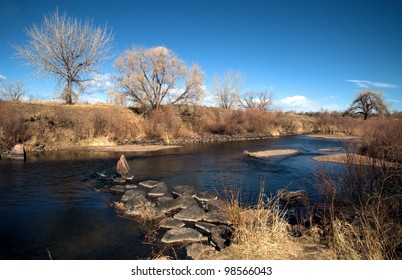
118	189
215	205
171	205
216	218
206	227
132	193
17	152
221	236
181	235
159	190
206	196
123	169
149	184
198	251
184	190
170	223
292	198
191	214
137	202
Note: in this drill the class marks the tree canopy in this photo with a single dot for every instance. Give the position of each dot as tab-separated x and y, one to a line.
368	103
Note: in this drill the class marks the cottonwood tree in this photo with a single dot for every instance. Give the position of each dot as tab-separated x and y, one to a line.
151	77
12	91
226	89
66	48
368	103
259	100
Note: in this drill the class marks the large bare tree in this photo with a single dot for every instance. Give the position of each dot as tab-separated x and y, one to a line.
66	48
155	76
367	103
226	88
12	90
260	100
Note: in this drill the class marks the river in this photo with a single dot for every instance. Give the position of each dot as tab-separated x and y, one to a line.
49	206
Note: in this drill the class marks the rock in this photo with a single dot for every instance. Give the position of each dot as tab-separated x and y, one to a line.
18	150
292	197
206	196
198	251
206	227
180	235
137	202
215	205
149	184
118	189
221	236
159	190
186	202
131	186
191	214
119	180
216	218
171	223
184	190
132	193
122	168
167	204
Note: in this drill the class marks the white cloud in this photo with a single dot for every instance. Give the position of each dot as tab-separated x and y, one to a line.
99	84
301	103
368	84
2	77
296	101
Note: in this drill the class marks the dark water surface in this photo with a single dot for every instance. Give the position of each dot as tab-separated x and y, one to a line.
49	206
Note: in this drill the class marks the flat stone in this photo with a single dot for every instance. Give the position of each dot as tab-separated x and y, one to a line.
204	226
191	214
186	202
167	204
118	189
131	186
184	190
181	235
215	205
132	193
216	218
149	184
171	223
119	180
159	190
138	201
198	251
206	196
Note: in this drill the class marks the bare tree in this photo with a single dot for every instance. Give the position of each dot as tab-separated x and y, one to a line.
116	97
155	76
260	100
227	88
12	91
67	49
368	103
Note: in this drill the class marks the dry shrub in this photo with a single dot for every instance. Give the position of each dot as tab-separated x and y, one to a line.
13	128
164	124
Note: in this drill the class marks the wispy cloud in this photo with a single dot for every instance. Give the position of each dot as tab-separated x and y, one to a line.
2	77
296	101
368	84
99	84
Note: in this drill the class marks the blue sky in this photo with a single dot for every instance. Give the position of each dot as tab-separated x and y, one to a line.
312	54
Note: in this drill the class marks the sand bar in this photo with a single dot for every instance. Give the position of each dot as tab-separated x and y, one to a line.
271	153
354	159
332	136
329	150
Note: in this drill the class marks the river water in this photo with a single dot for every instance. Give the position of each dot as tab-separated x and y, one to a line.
49	206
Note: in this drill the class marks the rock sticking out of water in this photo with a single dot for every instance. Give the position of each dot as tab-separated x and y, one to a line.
123	169
191	214
182	235
159	190
184	190
170	223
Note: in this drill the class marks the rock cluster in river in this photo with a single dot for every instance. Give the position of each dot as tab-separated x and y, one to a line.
186	216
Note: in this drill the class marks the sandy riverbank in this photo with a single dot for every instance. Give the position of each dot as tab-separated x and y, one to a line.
130	148
271	153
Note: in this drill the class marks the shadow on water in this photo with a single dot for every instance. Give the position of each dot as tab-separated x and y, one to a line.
48	204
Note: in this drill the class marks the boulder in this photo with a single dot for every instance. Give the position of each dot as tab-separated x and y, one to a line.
170	223
159	190
131	186
137	202
186	202
215	205
198	251
149	184
123	169
132	193
206	227
17	152
292	198
206	196
184	190
191	214
221	236
216	218
181	235
118	189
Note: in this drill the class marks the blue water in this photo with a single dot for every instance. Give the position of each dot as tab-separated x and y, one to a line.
49	206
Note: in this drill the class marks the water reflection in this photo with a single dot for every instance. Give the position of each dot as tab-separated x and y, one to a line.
49	202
